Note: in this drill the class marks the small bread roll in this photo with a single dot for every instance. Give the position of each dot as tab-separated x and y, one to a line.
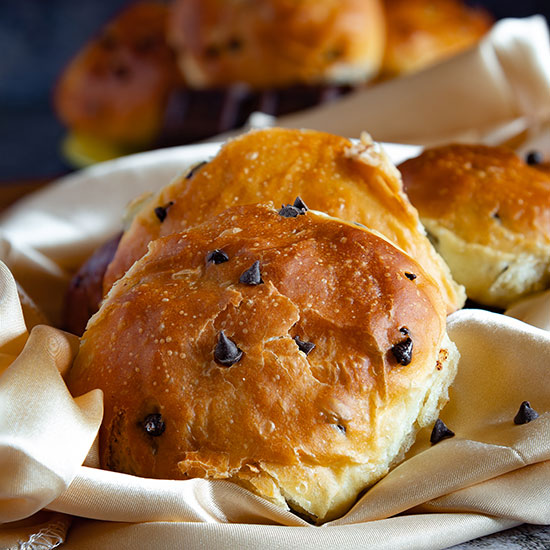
423	32
353	181
294	356
115	90
277	43
488	214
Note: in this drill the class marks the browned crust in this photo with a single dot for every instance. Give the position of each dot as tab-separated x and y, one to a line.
484	195
352	182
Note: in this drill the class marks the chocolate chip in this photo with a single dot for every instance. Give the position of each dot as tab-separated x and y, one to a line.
154	425
306	347
234	44
410	276
162	211
195	169
341	428
289	211
534	157
402	351
217	257
300	205
226	352
212	51
404	330
440	432
525	414
122	72
252	275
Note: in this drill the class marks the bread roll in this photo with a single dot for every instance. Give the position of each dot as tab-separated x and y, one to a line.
488	213
295	356
277	43
423	32
115	90
356	182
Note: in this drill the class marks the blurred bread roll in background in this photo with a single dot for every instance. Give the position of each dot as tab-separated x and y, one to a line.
116	88
488	214
353	181
274	43
423	32
290	353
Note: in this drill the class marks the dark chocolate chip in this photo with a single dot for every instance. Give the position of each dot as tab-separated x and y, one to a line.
217	257
122	72
195	169
300	205
252	275
162	211
226	352
440	432
404	330
306	347
341	428
154	425
402	351
234	44
289	211
534	157
212	51
410	276
525	414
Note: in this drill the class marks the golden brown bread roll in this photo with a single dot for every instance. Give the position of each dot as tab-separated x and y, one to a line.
356	182
489	216
296	356
277	43
423	32
116	88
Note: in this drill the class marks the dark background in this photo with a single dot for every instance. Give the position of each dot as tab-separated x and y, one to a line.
38	38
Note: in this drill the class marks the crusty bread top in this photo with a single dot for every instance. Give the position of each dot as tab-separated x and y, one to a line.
485	195
352	181
308	415
277	43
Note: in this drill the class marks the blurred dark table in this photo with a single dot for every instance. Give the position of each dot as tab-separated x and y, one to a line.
37	39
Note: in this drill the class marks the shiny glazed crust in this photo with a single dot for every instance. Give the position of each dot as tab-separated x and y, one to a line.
355	182
277	43
489	214
115	89
423	32
309	430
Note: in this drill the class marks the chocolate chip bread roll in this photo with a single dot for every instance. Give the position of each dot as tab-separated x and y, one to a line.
353	181
286	351
488	213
